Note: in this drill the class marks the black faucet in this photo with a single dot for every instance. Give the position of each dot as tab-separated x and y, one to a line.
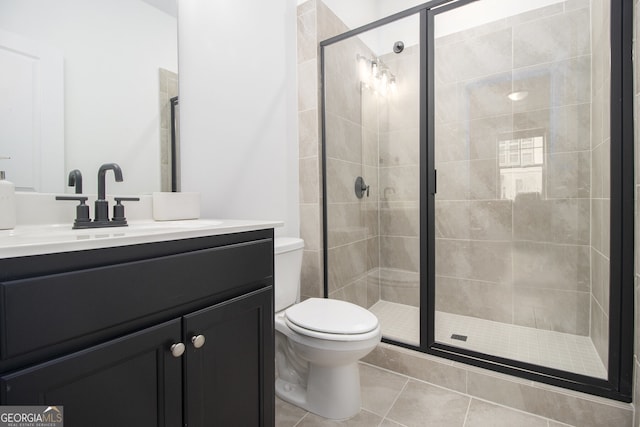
102	205
75	179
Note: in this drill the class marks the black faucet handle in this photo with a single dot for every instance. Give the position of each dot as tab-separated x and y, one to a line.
82	210
80	199
118	208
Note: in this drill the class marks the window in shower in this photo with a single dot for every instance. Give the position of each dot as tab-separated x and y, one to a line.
478	185
520	164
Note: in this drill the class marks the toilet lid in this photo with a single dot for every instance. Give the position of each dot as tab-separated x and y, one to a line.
331	316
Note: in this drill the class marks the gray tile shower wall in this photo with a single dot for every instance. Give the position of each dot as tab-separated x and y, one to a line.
316	22
399	171
600	178
472	220
309	149
351	151
375	137
497	257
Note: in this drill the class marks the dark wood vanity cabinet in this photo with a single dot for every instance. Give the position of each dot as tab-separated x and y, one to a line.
132	380
77	338
226	378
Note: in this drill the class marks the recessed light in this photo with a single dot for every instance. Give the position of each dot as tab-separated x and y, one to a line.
518	95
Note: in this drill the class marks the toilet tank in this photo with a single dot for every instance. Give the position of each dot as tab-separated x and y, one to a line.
287	265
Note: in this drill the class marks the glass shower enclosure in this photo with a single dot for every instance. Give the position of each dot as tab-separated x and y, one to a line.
468	188
372	147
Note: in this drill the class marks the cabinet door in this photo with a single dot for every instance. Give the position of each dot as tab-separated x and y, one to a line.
130	381
230	379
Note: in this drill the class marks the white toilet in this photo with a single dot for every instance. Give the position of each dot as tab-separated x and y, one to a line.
318	342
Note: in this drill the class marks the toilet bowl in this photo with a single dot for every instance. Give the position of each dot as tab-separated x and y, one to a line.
318	342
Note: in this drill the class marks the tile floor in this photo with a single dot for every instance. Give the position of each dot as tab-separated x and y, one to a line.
547	348
393	400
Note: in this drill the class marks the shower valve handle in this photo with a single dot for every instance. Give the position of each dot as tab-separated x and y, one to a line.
361	187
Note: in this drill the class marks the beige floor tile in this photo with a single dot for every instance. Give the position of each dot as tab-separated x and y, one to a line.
389	423
287	415
363	419
557	424
483	414
421	404
380	388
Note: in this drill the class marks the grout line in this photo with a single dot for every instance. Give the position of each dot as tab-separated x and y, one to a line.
461	239
404	387
466	415
407	377
519	410
300	420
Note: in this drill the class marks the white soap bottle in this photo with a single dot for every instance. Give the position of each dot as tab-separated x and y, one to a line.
7	203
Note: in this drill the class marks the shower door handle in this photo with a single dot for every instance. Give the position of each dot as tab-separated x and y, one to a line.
435	181
360	187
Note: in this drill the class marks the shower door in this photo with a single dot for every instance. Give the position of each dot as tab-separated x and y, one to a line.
372	173
522	152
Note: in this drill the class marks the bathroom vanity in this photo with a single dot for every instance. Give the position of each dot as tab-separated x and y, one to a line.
142	328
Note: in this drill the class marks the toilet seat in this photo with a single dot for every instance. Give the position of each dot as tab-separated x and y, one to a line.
332	320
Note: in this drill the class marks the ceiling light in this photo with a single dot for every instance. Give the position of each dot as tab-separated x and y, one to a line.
518	95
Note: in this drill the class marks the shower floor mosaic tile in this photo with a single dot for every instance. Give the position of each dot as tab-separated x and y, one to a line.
558	350
399	322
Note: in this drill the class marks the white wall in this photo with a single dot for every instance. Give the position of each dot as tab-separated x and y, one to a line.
238	108
112	51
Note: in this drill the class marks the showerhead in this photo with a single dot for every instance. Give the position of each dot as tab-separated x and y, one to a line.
398	46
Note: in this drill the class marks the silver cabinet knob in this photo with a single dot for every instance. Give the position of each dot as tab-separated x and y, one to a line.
198	341
177	349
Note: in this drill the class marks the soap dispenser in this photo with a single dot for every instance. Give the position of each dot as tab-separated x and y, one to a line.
7	202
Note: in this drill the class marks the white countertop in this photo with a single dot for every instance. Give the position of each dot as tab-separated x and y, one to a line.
26	240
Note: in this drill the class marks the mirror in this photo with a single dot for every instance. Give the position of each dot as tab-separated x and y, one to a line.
97	90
